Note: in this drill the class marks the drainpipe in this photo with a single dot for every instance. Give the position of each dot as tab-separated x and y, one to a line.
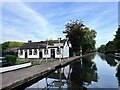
59	50
80	50
46	51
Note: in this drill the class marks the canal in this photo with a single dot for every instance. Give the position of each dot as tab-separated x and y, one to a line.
93	71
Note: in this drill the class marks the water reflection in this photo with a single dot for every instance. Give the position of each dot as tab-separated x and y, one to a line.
110	59
74	76
77	76
118	73
83	74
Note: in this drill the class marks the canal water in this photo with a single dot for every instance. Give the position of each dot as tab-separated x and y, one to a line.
93	71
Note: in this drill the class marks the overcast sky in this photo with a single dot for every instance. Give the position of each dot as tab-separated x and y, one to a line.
38	21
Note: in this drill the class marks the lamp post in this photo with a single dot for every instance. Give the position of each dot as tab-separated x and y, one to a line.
59	50
46	51
80	50
69	48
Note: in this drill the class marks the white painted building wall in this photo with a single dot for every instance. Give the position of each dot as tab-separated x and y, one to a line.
65	51
58	55
58	44
33	56
21	56
46	55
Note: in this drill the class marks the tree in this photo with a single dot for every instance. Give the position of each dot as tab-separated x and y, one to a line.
88	44
110	47
117	39
10	44
75	34
80	36
101	49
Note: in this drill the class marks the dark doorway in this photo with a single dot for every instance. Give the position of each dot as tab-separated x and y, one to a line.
25	54
52	53
40	54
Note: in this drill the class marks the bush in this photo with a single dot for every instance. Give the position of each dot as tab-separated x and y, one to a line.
11	59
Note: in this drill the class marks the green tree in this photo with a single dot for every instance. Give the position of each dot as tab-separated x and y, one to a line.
10	44
80	36
110	47
88	44
117	39
75	34
101	49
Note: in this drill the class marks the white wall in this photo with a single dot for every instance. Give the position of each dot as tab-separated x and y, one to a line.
48	55
21	56
58	55
33	56
64	53
58	44
65	50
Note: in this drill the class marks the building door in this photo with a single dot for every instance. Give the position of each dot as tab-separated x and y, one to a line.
40	54
25	54
52	53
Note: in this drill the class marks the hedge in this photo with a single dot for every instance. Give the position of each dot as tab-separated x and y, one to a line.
11	59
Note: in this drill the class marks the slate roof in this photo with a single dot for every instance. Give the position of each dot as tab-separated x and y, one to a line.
14	49
33	45
41	44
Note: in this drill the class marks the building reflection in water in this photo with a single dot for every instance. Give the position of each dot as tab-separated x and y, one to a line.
60	78
76	76
83	74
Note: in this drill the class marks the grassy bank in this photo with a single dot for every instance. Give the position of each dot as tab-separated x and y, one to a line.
21	61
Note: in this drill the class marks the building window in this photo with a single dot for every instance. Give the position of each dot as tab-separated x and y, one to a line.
58	50
30	51
45	51
21	52
35	51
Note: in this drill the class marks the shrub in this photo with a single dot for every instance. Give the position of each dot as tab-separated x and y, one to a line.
11	59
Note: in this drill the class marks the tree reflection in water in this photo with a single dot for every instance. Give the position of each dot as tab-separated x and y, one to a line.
83	73
80	74
109	59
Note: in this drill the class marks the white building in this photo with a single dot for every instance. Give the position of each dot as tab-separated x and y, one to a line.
41	50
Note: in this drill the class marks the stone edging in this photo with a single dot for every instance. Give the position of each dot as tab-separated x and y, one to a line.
10	68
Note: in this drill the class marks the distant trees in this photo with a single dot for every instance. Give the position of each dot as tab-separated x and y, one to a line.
112	46
117	39
81	37
101	49
10	44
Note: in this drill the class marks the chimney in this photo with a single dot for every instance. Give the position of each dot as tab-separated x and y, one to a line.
29	41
